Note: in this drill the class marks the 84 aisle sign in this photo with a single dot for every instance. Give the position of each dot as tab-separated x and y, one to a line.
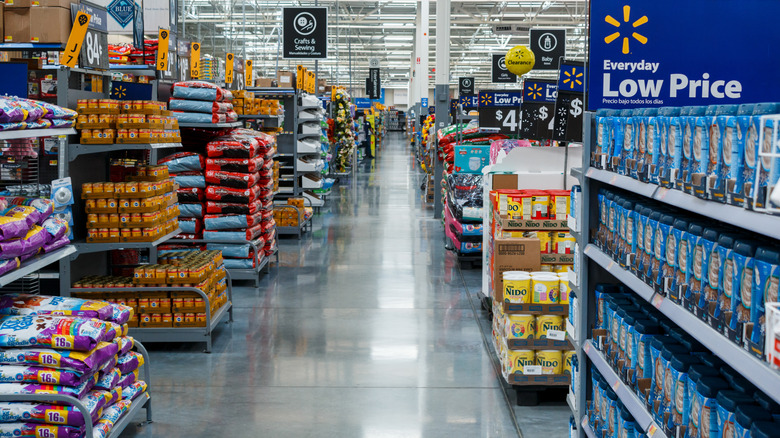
506	119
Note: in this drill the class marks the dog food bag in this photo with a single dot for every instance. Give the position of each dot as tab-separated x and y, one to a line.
134	390
47	376
128	379
240	165
39	430
59	332
124	344
183	162
189	179
25	304
37	388
110	417
14	412
82	362
109	380
232	195
130	362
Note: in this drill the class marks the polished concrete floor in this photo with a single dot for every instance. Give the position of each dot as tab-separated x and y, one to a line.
367	328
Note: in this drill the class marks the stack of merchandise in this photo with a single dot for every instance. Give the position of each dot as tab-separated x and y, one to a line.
187	170
245	102
208	69
17	113
27	230
128	54
70	347
201	102
108	121
463	212
142	209
294	214
343	134
460	144
204	270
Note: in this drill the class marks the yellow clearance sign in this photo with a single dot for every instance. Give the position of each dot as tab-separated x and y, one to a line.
162	50
70	55
229	69
195	61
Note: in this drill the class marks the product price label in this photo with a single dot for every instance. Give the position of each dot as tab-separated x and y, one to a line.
532	370
506	119
556	335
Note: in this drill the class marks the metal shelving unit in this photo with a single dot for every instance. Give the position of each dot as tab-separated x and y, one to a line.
287	140
36	263
35	133
262	264
586	429
76	149
210	125
86	248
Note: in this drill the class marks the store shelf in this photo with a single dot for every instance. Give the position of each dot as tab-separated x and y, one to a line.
210	125
317	134
132	67
308	107
34	133
250	273
257	117
272	91
753	369
30	266
138	404
76	149
761	223
576	172
182	334
30	46
586	428
86	248
576	235
624	393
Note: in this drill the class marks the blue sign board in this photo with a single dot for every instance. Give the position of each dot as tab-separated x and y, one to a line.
362	102
673	53
424	102
539	91
469	101
572	77
500	98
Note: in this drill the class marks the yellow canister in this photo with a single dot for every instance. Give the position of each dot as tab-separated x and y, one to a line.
521	327
545	239
517	287
517	360
545	323
551	361
545	288
547	268
561	269
567	359
562	242
563	290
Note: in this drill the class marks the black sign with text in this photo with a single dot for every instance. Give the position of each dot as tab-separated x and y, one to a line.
305	33
549	46
500	73
506	119
94	52
570	106
374	84
466	86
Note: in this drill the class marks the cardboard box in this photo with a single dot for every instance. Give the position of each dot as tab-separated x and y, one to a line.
513	254
24	25
284	79
471	159
55	3
18	3
265	82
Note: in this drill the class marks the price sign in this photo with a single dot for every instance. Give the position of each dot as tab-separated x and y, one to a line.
229	69
94	53
70	55
162	50
248	73
195	60
506	119
570	105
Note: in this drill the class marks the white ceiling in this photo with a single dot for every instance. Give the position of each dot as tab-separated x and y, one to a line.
383	29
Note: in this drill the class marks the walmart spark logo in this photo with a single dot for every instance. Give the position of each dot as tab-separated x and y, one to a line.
486	100
626	19
120	92
572	78
535	91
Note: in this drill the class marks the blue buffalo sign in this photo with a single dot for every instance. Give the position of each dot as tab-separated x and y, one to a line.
122	11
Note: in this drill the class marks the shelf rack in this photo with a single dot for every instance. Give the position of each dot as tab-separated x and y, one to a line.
286	141
262	265
35	133
586	429
210	125
76	149
36	263
87	248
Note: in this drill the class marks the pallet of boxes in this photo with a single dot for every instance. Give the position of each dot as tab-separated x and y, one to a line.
531	254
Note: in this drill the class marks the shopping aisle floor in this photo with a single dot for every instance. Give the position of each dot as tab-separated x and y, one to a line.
365	329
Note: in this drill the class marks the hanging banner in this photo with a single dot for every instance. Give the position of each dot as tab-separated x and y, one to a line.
138	26
375	87
94	53
465	86
538	109
195	60
549	47
248	73
305	33
672	53
162	50
70	55
570	105
500	98
500	73
229	68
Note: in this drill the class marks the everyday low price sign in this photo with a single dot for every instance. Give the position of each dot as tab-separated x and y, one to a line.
672	53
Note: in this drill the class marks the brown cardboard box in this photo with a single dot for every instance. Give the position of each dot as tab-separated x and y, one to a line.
284	79
17	25
24	25
18	3
265	82
513	254
55	3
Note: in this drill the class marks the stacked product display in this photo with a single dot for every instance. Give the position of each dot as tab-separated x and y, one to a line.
197	102
245	103
128	54
309	163
17	113
168	308
466	147
27	229
292	214
108	121
343	134
67	347
463	212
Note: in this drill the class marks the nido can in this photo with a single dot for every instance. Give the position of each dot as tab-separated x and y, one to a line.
521	327
540	205
551	361
545	289
517	287
568	356
545	239
562	242
518	360
545	323
563	286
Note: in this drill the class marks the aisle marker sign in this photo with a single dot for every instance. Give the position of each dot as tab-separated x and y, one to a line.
500	72
305	33
195	60
162	50
229	68
76	39
248	73
672	53
549	46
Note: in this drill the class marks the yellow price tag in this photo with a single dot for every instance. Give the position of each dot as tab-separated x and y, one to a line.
229	69
248	73
162	50
76	39
195	61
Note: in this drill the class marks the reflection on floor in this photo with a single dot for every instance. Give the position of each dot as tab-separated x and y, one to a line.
365	329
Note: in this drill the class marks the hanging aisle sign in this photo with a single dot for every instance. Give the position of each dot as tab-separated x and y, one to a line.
549	46
248	73
500	73
465	86
76	39
570	106
229	68
195	60
672	53
162	50
538	109
374	84
305	33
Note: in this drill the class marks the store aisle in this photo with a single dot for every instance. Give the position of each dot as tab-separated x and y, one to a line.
365	330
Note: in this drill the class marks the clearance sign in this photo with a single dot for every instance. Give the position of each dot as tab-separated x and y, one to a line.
673	53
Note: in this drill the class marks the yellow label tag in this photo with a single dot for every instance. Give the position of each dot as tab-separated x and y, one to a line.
70	55
229	69
49	377
195	61
162	49
62	342
42	431
50	359
248	73
300	78
56	416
